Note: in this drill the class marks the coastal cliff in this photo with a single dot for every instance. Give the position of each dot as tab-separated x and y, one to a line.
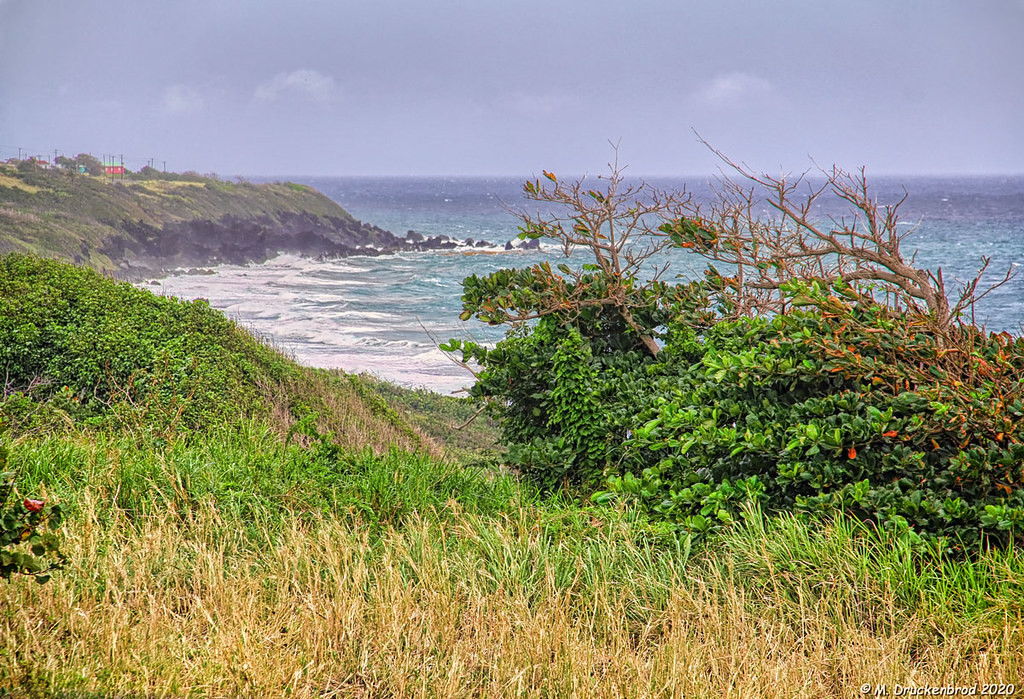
137	227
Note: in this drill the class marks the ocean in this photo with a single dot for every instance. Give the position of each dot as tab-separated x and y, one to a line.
386	315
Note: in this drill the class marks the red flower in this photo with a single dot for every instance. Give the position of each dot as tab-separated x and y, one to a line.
34	505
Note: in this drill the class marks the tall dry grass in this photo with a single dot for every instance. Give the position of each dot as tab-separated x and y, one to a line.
348	407
534	601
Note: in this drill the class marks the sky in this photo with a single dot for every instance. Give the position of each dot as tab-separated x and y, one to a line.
488	87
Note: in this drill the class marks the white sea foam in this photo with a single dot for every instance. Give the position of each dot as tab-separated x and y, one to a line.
389	344
366	315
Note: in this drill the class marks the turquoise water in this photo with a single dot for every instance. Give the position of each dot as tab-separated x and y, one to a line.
385	315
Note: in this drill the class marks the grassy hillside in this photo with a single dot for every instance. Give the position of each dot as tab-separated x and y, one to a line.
78	217
238	525
79	349
458	423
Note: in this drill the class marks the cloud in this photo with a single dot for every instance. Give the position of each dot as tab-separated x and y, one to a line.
182	99
304	83
731	89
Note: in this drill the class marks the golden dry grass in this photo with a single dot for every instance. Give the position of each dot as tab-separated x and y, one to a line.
164	186
15	183
186	604
348	408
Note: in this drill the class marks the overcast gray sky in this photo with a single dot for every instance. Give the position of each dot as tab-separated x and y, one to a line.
406	87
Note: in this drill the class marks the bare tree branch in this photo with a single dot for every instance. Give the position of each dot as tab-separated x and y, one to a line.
612	223
795	244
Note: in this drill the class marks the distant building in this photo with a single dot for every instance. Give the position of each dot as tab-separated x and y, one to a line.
113	168
41	163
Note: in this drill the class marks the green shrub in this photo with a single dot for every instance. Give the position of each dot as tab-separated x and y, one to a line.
824	411
797	393
557	400
75	343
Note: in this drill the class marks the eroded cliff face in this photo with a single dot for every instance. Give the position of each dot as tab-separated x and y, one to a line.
145	250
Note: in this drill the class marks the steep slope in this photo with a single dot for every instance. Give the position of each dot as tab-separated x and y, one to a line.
78	348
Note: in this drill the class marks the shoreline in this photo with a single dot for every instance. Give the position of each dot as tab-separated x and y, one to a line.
207	269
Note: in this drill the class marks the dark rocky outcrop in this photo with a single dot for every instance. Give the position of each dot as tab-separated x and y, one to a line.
146	250
532	244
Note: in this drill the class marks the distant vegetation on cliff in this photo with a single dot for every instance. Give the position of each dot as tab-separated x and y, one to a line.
139	224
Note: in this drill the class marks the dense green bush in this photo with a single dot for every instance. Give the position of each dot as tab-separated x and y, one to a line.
559	425
75	343
831	402
566	388
838	407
